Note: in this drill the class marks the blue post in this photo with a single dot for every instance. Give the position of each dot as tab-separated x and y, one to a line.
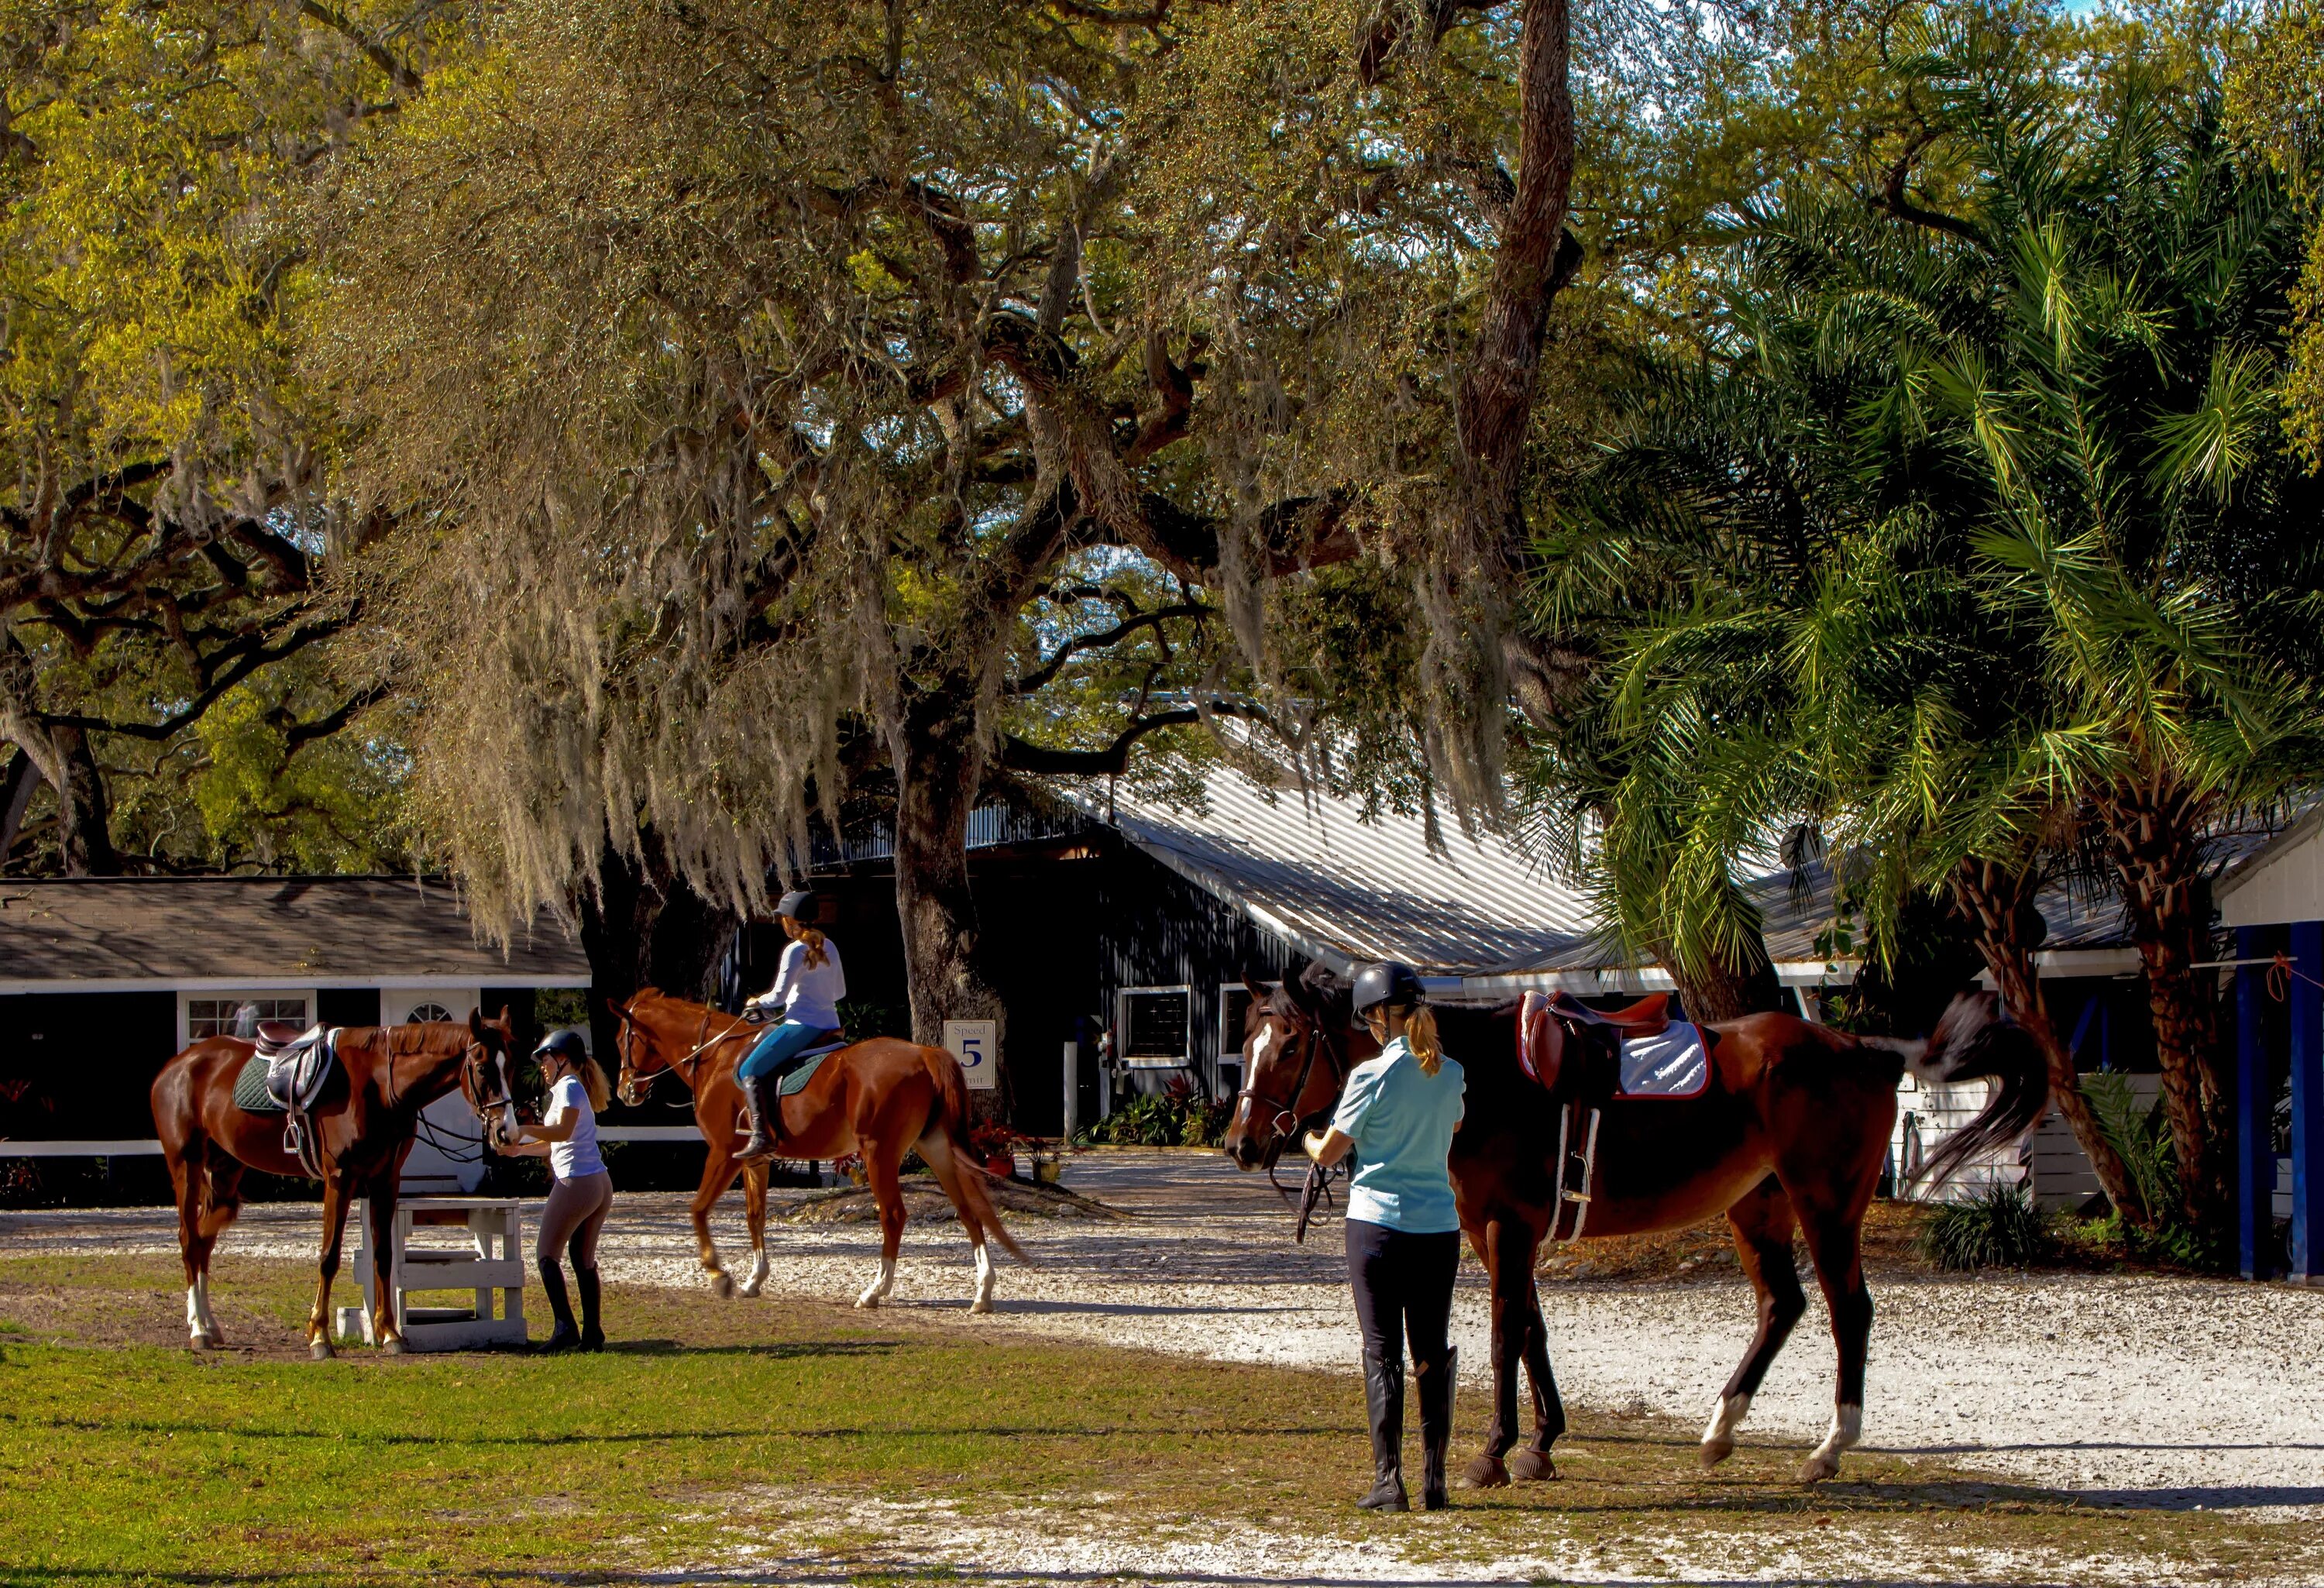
2254	1138
2307	1101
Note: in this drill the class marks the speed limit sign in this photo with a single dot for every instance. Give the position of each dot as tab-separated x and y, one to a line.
977	1044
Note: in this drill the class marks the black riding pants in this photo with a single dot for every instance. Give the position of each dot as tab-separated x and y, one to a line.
1403	1289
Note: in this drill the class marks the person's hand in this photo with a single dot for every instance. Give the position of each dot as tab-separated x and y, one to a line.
1312	1143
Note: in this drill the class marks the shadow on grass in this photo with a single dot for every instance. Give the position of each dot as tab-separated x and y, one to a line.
166	1428
822	1574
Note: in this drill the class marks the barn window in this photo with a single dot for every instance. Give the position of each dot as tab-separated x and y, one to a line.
1156	1027
431	1011
221	1015
1234	1008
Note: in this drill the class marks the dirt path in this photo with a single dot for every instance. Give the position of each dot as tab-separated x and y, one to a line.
2178	1393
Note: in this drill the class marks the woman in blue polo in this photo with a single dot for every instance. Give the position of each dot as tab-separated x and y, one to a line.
1397	1116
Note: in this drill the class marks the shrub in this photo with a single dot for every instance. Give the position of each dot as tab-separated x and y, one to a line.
1177	1116
2001	1228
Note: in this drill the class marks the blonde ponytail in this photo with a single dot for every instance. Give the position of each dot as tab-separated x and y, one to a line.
593	1082
813	937
1420	1036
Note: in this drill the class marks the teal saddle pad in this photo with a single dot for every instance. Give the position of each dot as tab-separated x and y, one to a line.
250	1093
796	1082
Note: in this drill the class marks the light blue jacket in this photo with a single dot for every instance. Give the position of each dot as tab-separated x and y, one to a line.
1402	1120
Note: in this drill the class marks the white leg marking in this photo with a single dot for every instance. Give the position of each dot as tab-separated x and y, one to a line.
1719	1435
1824	1461
194	1328
209	1318
982	1301
758	1273
877	1290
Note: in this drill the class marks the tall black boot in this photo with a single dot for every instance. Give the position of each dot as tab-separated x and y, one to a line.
1384	1400
565	1336
593	1336
1435	1387
765	1110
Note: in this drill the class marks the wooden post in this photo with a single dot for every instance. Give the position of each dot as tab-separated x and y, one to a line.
2307	1011
2255	1122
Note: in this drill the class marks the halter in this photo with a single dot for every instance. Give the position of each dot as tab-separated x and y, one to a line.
633	1084
483	1107
1279	1132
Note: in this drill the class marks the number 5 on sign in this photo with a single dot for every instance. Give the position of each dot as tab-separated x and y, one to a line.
976	1043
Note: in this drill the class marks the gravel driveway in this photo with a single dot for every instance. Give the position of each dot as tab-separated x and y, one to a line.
2169	1392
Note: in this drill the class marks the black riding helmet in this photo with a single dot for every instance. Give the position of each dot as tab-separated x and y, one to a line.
568	1044
1389	982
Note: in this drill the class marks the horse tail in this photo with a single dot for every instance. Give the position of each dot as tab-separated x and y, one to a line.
1977	1041
951	1116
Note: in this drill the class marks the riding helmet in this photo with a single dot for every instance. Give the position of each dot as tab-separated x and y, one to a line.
568	1044
799	904
1389	982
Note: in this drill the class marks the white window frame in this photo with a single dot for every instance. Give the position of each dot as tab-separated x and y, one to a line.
1230	1039
305	998
1185	1060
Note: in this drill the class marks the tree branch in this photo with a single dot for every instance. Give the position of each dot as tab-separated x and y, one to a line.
1079	644
1020	755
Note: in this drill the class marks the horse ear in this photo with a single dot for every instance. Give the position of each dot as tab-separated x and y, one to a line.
476	1024
1253	985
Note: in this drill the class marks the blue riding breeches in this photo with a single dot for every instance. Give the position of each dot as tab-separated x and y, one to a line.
776	1051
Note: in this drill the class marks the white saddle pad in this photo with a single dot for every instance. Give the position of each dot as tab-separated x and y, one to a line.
1671	1065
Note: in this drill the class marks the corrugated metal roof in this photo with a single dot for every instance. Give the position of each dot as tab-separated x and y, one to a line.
163	931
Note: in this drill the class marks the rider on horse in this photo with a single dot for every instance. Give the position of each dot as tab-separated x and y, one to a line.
809	985
1397	1115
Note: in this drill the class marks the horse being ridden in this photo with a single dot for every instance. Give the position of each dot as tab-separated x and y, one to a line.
362	1123
882	1098
1790	1132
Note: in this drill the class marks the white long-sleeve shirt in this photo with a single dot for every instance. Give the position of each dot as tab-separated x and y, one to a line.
809	995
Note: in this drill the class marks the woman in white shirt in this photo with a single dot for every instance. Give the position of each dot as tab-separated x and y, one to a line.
583	1193
809	985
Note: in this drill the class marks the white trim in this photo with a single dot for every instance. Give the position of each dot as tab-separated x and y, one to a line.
312	980
273	994
2086	962
1122	1054
1640	979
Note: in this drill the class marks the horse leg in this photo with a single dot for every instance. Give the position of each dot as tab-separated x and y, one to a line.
1510	1259
187	1169
936	1149
380	1203
220	1203
882	1159
1531	1460
718	1170
754	1213
1763	1224
1835	1243
326	1266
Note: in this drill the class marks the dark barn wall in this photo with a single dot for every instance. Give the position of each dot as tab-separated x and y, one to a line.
347	1006
1158	930
79	1065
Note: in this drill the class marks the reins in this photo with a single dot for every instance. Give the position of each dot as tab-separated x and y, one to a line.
632	1078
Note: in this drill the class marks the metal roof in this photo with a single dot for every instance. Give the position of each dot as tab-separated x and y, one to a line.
124	933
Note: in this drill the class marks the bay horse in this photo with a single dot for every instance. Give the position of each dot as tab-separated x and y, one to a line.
363	1121
882	1097
1790	1132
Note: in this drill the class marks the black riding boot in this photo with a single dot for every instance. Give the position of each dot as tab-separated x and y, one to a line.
1435	1387
565	1336
765	1111
1384	1400
593	1336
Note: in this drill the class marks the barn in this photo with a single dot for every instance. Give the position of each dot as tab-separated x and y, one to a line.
103	979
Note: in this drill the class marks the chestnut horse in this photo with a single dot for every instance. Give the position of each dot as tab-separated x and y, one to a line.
882	1098
363	1121
1790	1132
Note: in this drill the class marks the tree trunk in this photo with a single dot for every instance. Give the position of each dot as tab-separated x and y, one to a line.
939	760
84	814
2154	835
1998	903
1719	993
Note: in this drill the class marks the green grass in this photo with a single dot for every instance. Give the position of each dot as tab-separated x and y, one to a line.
721	1423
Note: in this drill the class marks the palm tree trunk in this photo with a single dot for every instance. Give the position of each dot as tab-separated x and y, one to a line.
2155	833
1715	993
1998	902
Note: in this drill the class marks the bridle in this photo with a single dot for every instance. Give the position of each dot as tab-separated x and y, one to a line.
472	1089
1286	1124
634	1083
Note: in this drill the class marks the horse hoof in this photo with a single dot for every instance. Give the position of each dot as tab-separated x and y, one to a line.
724	1285
1715	1450
750	1290
319	1348
1532	1467
867	1302
1488	1473
393	1346
1817	1467
981	1304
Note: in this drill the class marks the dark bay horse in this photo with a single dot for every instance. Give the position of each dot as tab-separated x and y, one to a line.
882	1098
1789	1134
363	1121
